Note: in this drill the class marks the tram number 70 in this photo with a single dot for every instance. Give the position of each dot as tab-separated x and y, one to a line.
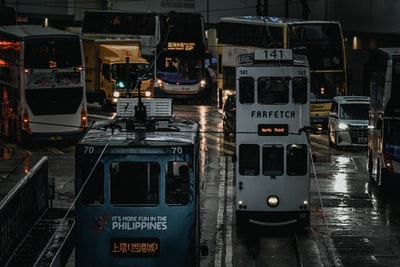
177	150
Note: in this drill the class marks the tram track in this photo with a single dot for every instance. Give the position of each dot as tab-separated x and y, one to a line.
282	246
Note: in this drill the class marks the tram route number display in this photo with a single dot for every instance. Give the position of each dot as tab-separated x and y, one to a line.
273	54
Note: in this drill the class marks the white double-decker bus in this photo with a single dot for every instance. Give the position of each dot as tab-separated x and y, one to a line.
272	138
42	84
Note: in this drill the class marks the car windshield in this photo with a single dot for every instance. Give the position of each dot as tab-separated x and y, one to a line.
354	111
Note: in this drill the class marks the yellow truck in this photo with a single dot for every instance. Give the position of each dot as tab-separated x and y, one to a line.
115	68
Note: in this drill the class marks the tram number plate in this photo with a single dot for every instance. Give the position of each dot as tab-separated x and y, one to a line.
135	247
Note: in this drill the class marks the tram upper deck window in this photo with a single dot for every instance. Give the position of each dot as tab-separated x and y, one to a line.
272	160
273	90
246	90
177	183
93	189
134	183
249	159
299	90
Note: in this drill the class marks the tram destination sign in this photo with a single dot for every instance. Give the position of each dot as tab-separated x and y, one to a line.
273	129
135	247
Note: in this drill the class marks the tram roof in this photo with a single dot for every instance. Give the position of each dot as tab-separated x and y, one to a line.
178	132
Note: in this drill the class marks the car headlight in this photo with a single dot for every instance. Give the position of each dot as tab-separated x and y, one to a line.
343	126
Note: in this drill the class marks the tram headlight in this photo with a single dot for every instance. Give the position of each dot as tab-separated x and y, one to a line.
273	201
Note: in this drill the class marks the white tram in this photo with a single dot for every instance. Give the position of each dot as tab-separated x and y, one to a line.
272	138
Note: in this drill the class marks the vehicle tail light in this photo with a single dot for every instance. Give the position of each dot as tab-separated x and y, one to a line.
25	122
84	119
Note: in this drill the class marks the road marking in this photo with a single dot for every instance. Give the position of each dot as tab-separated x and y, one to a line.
223	240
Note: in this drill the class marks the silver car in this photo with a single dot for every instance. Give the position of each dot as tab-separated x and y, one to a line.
348	121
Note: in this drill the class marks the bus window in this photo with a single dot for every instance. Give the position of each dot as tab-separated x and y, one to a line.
299	90
177	183
273	91
134	183
93	191
53	53
296	159
246	90
249	159
272	160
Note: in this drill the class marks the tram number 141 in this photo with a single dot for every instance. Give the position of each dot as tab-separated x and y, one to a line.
273	54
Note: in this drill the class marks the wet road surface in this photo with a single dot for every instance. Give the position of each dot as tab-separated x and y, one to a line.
352	222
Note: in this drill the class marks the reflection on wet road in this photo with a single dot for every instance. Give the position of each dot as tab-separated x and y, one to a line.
351	219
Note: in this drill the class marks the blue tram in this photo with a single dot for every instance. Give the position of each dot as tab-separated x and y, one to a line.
137	188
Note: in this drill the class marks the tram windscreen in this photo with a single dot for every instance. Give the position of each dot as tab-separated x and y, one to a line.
272	160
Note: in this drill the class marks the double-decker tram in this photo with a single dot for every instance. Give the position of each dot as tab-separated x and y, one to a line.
42	84
384	118
321	41
137	187
272	139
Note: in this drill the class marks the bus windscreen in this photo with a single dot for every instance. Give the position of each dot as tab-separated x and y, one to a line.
52	53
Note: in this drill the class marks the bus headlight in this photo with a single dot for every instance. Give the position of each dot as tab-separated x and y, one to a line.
160	83
273	201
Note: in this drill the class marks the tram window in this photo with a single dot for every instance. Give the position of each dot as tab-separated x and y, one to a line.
249	159
93	191
177	187
299	90
246	90
134	183
273	90
272	160
296	159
